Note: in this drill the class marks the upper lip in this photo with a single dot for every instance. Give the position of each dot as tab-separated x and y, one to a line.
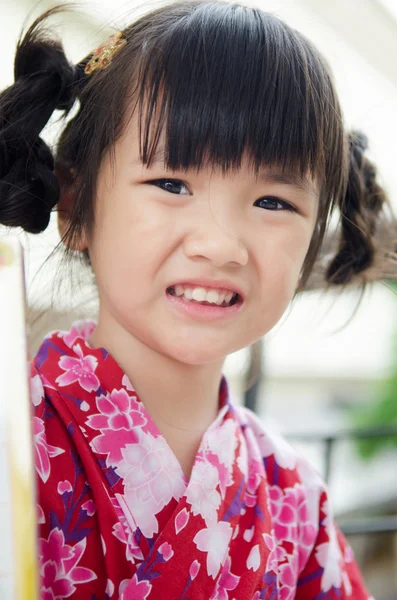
219	284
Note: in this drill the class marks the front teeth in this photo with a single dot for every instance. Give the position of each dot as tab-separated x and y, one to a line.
202	295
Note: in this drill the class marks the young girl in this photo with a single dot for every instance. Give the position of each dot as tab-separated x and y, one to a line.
197	178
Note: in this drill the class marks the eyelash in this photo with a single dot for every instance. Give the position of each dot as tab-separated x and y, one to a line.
286	206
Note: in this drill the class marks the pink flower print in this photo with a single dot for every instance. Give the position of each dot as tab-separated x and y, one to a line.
126	536
255	474
89	507
277	553
118	420
58	566
152	478
118	410
43	451
55	549
286	593
134	589
124	531
166	551
202	491
194	569
59	588
80	329
79	369
215	541
224	475
226	582
64	487
291	516
288	577
181	520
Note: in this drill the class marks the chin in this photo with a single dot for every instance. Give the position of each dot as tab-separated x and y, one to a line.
194	356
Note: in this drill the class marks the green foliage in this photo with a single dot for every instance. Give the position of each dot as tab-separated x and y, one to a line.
383	409
382	412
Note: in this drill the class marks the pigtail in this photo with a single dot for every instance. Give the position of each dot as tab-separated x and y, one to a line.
362	211
44	81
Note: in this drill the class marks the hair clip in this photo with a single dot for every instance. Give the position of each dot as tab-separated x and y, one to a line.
102	56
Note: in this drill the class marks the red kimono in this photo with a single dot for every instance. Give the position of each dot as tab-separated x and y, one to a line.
119	520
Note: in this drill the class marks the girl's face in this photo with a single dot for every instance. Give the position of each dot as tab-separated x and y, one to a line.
159	233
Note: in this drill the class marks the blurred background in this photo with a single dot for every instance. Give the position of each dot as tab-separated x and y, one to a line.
328	371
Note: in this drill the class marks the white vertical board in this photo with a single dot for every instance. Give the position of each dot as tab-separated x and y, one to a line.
18	533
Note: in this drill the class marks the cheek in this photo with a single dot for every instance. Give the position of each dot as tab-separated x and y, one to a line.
127	259
280	263
283	250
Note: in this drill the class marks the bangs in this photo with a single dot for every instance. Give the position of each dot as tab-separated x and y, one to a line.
224	81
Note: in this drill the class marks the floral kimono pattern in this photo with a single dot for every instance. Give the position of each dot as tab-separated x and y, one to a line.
119	520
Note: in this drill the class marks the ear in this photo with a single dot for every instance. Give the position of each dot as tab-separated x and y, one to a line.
64	209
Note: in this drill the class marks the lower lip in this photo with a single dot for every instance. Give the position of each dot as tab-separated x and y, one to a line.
206	312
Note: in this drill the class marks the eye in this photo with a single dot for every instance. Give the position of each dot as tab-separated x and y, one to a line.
174	186
272	203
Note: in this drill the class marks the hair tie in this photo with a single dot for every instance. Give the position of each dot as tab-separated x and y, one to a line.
70	87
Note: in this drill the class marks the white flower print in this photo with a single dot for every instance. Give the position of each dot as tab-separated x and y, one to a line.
202	492
272	444
152	477
42	450
215	541
269	443
329	556
36	390
222	441
254	559
127	384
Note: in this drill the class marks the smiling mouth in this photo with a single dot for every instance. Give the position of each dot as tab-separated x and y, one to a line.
223	299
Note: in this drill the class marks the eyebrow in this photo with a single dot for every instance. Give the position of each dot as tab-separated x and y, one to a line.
285	178
157	158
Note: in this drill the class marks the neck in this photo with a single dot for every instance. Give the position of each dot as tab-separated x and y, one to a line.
182	399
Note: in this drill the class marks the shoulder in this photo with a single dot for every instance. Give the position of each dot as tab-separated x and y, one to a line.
293	484
278	454
301	513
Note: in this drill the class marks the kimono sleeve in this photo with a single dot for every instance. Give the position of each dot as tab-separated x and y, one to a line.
70	553
331	570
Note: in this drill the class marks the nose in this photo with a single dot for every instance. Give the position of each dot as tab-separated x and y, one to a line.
216	244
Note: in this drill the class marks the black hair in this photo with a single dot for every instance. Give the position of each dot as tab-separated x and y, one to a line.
219	80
